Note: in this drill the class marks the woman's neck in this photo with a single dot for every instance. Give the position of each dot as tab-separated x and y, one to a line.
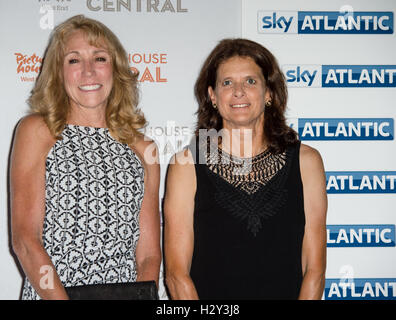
86	117
243	143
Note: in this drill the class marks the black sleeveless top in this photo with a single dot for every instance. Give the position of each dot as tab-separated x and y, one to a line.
248	225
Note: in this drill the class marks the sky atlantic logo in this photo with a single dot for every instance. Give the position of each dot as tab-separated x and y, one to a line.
277	21
340	76
382	235
149	6
360	289
325	22
346	129
303	75
360	182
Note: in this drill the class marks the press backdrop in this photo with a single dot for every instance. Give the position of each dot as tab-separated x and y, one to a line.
339	61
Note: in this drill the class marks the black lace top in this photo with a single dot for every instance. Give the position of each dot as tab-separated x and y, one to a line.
248	225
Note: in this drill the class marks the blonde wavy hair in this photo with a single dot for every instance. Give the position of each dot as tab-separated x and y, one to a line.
49	98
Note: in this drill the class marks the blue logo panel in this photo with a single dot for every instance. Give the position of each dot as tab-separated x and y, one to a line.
340	76
346	128
382	235
303	75
334	22
360	182
277	22
325	22
360	289
358	76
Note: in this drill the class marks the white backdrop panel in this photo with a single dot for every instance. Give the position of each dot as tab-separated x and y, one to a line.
181	32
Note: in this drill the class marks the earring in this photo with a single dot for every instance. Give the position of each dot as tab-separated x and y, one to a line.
215	105
268	103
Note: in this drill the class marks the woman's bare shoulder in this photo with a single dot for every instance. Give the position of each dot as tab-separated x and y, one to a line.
309	154
311	163
33	131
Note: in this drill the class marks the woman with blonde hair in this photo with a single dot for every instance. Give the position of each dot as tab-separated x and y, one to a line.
84	196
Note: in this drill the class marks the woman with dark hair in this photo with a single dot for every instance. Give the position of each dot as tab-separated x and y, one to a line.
84	198
245	206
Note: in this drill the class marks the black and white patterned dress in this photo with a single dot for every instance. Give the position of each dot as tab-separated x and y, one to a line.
94	192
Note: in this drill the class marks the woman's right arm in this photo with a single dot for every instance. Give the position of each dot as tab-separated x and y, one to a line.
178	226
32	143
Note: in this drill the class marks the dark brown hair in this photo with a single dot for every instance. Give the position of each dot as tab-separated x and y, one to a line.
277	133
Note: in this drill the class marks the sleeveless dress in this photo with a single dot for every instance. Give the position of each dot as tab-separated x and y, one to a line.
94	192
248	225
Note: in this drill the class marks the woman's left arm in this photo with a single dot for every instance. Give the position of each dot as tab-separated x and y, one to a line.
148	251
315	207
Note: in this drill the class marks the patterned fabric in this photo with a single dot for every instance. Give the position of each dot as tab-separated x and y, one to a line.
251	189
94	192
247	174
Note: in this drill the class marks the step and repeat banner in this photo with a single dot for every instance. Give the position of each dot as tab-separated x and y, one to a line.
166	41
339	62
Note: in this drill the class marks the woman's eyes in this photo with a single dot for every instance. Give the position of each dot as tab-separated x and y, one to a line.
249	81
98	59
101	59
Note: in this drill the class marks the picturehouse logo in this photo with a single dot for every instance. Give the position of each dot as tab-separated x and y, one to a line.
170	139
325	22
150	66
27	66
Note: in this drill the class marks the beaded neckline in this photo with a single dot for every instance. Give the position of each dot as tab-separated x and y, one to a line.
247	174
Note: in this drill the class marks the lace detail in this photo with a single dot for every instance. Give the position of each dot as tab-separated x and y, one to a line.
251	189
247	174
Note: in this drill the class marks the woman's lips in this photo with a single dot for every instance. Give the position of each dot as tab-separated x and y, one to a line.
240	105
90	87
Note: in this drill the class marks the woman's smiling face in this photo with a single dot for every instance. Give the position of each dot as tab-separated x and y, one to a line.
240	93
87	73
